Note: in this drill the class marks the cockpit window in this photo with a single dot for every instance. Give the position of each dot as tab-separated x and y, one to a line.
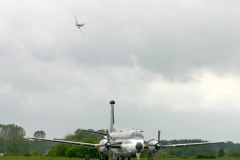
136	135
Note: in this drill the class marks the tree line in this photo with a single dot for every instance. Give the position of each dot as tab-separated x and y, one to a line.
206	151
12	142
79	135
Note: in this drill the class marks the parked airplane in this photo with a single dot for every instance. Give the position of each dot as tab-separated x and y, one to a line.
124	142
79	25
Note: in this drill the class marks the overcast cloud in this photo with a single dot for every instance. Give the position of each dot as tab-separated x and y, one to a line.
169	65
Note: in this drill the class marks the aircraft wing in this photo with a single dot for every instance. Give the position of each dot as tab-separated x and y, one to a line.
80	30
190	144
65	142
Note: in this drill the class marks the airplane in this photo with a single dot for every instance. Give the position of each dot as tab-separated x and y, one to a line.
79	25
125	142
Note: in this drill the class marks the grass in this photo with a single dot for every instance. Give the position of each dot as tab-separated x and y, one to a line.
64	158
36	158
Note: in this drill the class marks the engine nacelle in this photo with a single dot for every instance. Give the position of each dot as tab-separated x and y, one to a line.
103	149
152	146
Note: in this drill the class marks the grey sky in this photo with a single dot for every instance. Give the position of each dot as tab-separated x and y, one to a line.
169	65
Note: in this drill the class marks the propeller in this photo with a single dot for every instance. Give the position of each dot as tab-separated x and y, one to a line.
154	146
108	144
109	151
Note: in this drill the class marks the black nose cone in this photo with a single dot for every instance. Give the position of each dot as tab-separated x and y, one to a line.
139	146
112	102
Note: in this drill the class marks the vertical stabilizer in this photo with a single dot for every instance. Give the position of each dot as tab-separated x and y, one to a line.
112	128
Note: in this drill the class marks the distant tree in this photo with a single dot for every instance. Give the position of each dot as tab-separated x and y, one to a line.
58	150
10	131
77	136
209	151
40	146
80	135
18	146
178	153
2	144
93	152
11	137
172	152
221	153
233	153
39	134
63	150
36	152
163	153
189	151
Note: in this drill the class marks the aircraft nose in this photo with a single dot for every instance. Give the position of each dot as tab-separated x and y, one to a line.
139	146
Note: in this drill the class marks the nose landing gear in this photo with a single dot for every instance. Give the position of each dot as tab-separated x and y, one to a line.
138	155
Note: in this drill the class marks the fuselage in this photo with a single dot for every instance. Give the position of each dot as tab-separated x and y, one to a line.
132	142
79	25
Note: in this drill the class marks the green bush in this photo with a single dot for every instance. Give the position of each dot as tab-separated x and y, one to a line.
27	154
233	153
205	156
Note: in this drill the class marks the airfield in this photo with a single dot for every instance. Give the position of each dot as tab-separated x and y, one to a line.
62	158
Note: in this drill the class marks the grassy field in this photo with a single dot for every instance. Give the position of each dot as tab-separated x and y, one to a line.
37	158
62	158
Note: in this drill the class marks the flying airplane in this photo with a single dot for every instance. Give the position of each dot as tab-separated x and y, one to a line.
79	25
125	142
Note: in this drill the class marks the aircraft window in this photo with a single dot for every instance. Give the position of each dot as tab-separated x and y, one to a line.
136	135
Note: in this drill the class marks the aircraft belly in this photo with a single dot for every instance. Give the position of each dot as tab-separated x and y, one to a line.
122	152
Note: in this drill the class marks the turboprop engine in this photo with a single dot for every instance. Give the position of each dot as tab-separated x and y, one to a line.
103	147
153	146
105	144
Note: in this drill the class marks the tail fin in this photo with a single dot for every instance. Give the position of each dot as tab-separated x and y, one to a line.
112	122
112	128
